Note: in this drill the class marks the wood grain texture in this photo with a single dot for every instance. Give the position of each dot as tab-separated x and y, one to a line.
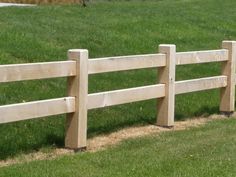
20	72
195	85
227	98
36	109
76	123
110	98
111	64
195	57
165	107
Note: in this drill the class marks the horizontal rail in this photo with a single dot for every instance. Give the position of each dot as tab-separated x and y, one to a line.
200	84
109	98
183	58
24	111
20	72
111	64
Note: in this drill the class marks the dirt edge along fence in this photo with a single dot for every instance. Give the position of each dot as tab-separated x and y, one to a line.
79	67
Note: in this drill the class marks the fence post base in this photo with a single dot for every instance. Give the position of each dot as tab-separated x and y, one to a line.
227	114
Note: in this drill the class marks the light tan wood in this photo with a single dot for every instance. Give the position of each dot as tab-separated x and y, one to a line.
110	64
76	123
183	58
195	85
110	98
36	109
227	101
19	72
165	108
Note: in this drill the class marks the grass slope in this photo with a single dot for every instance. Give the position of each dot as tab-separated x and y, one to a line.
204	151
45	33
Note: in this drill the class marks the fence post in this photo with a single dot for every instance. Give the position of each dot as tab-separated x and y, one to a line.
166	75
227	101
76	123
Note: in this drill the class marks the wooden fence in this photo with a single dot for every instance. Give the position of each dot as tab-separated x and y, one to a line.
78	101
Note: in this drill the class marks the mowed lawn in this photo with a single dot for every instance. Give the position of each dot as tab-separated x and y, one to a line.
107	28
197	152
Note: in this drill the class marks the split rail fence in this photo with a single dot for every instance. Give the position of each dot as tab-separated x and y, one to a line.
79	67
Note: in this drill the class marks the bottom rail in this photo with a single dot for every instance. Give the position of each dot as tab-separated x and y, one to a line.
109	98
200	84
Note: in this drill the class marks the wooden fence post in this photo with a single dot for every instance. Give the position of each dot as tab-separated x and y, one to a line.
76	123
227	101
166	75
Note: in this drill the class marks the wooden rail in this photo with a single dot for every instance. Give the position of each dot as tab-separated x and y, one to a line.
195	85
20	72
110	98
23	111
122	63
111	64
78	102
183	58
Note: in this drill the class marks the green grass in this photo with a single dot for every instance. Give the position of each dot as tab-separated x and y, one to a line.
45	33
204	151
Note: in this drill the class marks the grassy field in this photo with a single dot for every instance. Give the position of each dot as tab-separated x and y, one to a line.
45	33
206	151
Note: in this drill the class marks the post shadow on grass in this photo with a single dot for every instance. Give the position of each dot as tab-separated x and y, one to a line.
14	141
149	117
204	111
28	136
105	129
9	150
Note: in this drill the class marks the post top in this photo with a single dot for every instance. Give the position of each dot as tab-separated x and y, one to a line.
75	54
167	45
228	41
77	50
228	44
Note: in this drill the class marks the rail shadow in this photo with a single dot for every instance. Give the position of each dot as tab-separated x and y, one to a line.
33	135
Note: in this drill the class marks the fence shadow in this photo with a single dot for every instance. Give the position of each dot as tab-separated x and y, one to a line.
204	111
32	139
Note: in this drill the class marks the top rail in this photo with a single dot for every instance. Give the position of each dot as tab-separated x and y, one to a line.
111	64
121	63
183	58
19	72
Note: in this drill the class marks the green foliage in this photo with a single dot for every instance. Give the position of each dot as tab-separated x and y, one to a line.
45	33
